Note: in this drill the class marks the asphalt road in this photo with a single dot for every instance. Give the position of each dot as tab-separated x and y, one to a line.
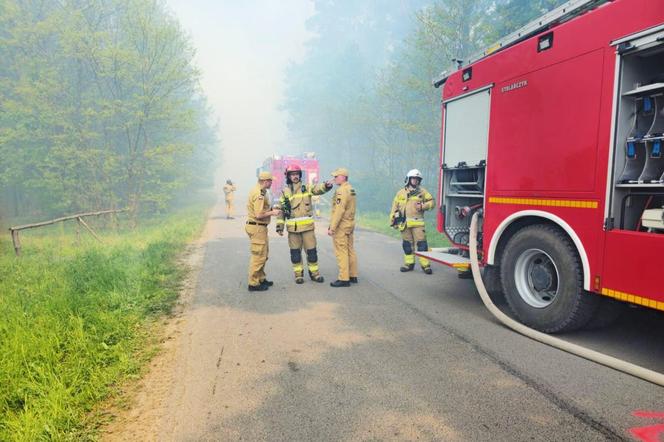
396	357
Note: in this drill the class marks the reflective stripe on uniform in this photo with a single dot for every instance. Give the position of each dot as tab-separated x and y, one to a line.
298	195
414	223
313	267
303	221
409	259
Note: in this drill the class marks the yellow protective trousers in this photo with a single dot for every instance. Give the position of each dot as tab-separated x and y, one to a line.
414	238
345	253
259	248
307	241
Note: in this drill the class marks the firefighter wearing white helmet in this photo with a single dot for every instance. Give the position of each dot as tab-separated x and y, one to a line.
407	215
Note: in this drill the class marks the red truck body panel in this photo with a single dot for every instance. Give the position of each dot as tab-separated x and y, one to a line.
551	120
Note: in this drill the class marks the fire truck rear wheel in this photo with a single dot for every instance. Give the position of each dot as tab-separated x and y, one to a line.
542	279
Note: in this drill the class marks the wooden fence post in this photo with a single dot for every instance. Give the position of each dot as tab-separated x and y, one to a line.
80	220
78	231
17	242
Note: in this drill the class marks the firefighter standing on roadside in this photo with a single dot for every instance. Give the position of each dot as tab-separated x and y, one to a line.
258	217
342	224
407	215
297	215
229	190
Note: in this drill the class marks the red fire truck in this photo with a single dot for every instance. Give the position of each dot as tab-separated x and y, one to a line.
555	136
277	164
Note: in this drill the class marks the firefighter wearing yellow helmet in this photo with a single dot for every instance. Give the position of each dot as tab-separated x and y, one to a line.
407	215
297	217
258	217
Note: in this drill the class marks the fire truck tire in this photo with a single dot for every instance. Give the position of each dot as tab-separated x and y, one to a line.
542	279
491	278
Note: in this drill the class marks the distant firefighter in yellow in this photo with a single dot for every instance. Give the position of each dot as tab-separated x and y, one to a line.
229	191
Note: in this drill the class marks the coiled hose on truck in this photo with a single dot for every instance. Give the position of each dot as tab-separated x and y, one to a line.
586	353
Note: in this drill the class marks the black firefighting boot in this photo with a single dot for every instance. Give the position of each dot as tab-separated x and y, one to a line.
257	288
299	277
407	267
427	270
316	277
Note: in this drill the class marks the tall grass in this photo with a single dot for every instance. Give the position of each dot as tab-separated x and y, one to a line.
74	320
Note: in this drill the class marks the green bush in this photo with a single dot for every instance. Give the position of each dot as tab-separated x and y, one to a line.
75	321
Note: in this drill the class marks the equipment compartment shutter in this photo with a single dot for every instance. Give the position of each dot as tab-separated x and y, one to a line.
467	129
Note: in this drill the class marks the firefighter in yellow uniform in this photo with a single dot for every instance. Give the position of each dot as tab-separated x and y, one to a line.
296	214
258	218
229	190
407	215
342	225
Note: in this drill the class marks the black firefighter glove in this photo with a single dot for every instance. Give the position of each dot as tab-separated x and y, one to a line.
398	220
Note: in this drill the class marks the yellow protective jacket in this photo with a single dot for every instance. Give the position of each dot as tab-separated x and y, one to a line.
343	208
405	202
298	199
257	203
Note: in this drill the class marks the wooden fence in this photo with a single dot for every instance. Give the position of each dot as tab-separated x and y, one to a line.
16	240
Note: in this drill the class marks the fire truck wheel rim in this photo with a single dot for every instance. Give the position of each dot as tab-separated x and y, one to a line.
536	277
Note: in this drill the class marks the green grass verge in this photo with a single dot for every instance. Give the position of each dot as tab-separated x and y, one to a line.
378	222
76	321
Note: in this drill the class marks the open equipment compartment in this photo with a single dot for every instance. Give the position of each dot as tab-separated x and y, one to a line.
464	170
638	162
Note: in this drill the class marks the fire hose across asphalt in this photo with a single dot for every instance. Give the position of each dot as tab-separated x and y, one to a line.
586	353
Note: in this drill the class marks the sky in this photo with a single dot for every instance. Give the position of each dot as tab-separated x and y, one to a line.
243	48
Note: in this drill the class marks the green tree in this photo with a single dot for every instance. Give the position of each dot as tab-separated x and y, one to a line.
100	106
363	94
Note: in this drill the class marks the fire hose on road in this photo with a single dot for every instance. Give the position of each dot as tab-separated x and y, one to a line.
586	353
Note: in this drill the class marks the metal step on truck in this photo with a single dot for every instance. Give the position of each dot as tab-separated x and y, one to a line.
555	135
